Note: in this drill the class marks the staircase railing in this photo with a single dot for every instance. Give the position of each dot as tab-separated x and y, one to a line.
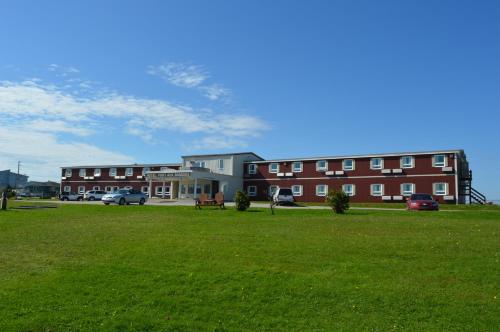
476	196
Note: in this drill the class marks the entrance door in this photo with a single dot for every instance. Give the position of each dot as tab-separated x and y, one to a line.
166	191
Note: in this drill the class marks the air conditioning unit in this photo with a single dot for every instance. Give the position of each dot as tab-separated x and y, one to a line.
447	169
330	173
339	172
63	178
139	176
397	198
449	198
280	174
397	171
289	174
386	171
386	198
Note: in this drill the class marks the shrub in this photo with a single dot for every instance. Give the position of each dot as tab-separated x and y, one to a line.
241	201
338	201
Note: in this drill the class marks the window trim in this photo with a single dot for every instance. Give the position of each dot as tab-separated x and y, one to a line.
219	164
145	191
349	169
434	191
81	191
277	168
110	189
68	172
127	173
253	192
321	169
97	172
158	192
412	162
145	170
300	169
111	173
413	189
381	163
326	190
82	170
300	191
353	186
445	161
65	189
96	188
270	191
252	168
372	193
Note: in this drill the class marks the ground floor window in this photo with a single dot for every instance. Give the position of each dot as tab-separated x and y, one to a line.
272	190
349	189
252	190
67	188
108	189
207	188
377	189
321	189
145	189
115	188
407	189
81	189
440	189
159	190
297	190
96	188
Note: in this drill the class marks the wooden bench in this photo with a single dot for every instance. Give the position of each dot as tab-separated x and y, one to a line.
203	200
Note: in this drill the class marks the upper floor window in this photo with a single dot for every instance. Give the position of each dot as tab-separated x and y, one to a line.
252	168
97	172
252	190
439	160
129	171
163	168
274	168
349	189
321	189
377	163
377	189
348	164
83	172
297	190
67	172
220	164
112	171
145	170
407	189
297	166
322	165
440	189
407	162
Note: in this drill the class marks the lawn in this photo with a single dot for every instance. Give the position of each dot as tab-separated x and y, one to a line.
92	267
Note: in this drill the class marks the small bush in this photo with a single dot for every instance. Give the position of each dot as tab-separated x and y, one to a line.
241	201
338	201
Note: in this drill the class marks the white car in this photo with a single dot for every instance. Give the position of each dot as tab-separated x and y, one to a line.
70	196
125	196
93	195
283	195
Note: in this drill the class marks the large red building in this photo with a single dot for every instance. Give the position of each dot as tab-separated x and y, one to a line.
389	177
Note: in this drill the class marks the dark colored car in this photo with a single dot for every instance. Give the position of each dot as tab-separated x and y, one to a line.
422	202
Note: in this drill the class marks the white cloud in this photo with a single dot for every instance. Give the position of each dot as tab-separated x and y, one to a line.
217	143
187	76
215	92
62	70
57	126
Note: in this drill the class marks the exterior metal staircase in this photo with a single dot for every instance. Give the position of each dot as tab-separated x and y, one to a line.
475	197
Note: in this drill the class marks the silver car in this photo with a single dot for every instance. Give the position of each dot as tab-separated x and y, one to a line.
125	196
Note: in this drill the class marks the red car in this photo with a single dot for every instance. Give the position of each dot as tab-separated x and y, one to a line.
422	202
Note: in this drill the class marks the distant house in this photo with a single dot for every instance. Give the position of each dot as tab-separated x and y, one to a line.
42	189
11	179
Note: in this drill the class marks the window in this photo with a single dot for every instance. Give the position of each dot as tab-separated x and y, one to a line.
321	189
377	189
159	190
407	162
199	163
144	170
272	190
297	167
377	163
207	188
109	189
81	189
349	189
129	171
96	188
252	169
439	160
407	189
67	189
67	173
97	172
348	165
440	189
297	190
112	171
82	173
115	188
252	190
145	189
190	189
321	165
220	164
274	168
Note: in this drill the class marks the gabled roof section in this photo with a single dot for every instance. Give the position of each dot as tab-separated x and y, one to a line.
221	155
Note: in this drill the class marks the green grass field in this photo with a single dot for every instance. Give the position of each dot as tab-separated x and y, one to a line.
93	267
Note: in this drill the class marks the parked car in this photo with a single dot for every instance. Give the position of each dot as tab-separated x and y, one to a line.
93	195
422	202
283	195
70	196
125	196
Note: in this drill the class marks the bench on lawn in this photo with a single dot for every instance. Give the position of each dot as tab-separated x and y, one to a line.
203	200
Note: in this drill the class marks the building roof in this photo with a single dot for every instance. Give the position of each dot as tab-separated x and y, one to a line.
389	154
125	165
221	154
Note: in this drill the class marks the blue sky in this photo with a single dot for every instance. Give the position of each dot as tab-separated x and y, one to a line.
148	81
